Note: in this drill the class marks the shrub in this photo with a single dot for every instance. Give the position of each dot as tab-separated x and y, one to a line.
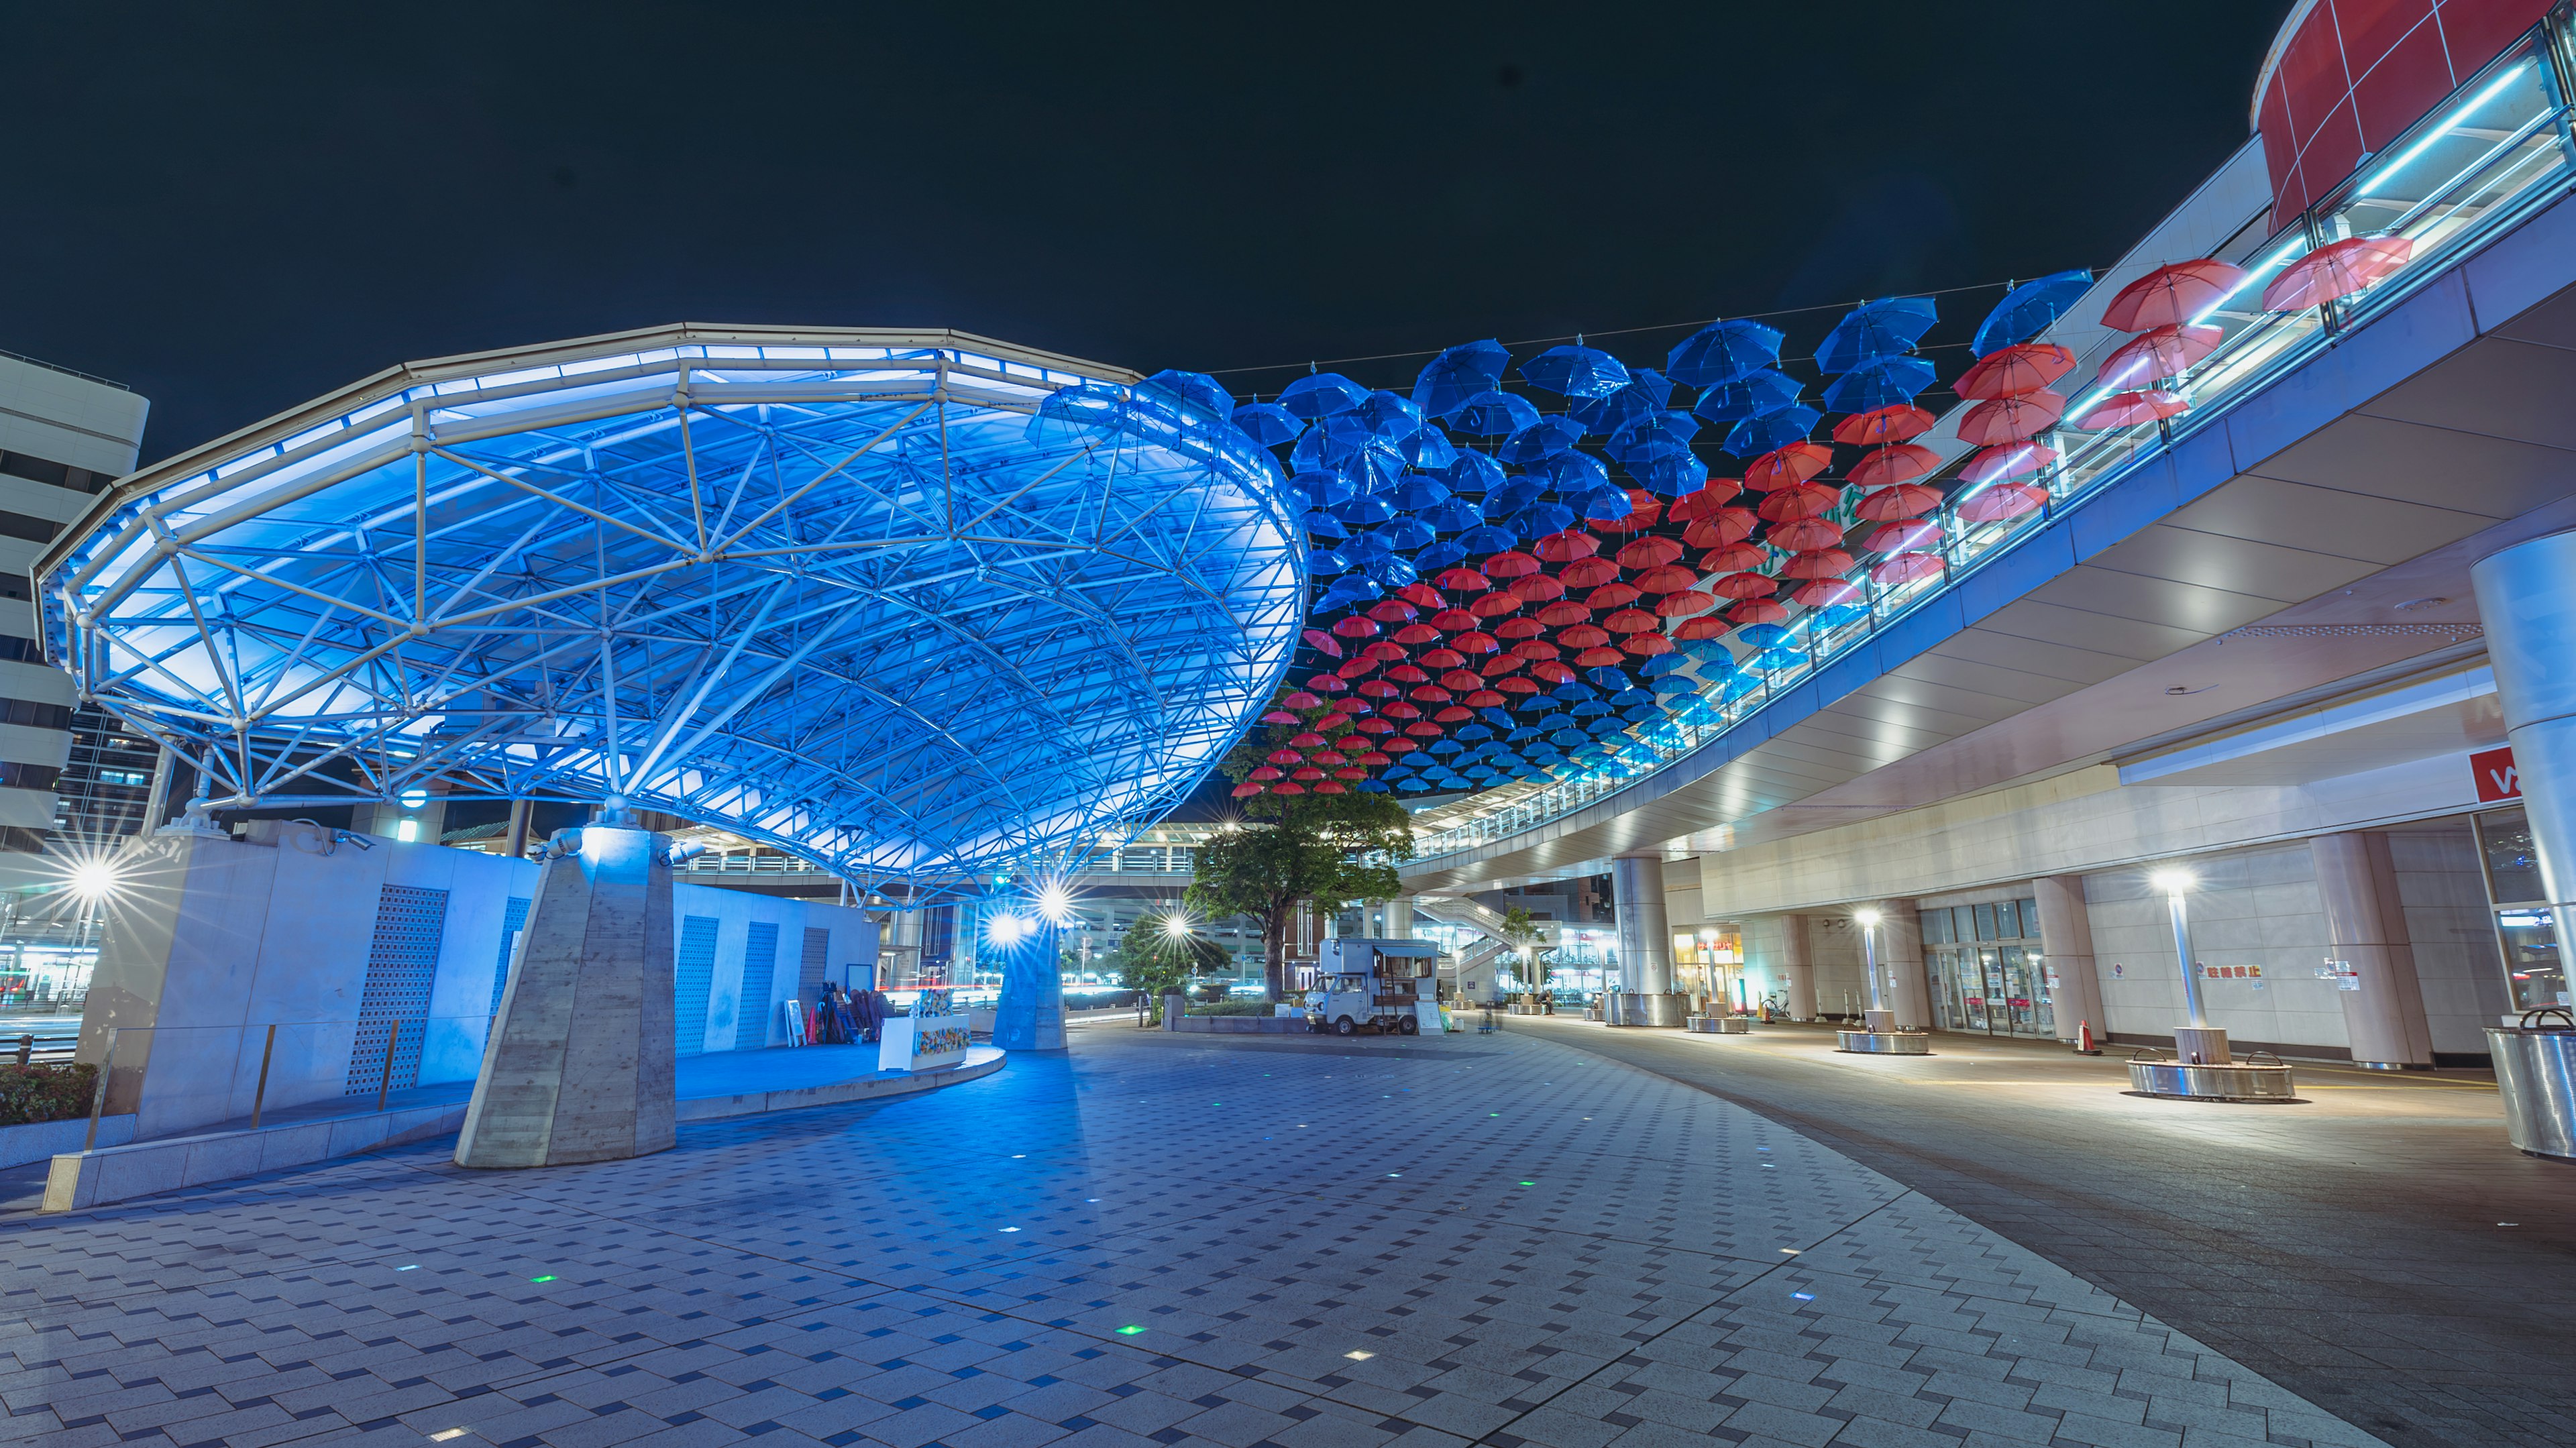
1232	1008
52	1092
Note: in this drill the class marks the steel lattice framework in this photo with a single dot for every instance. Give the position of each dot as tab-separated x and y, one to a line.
915	606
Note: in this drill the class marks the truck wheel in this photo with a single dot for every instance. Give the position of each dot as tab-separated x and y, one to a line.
1409	1026
1344	1026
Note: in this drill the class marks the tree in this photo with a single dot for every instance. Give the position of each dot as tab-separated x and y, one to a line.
1519	930
1152	959
1309	848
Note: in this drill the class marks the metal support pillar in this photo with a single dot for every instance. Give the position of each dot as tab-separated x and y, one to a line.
1645	995
1030	1014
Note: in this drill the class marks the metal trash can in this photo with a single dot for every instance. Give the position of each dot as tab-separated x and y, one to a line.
2535	1066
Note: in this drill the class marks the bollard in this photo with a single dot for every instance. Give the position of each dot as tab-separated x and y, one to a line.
386	1084
260	1098
98	1099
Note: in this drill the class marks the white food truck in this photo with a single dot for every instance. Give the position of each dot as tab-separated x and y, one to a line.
1382	985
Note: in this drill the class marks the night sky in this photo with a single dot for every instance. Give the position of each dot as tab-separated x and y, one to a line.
234	208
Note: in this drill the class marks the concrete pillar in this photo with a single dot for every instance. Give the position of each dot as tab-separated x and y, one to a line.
514	840
1797	967
2528	607
579	1063
1645	994
2383	1017
1399	918
2066	952
1030	1014
1900	960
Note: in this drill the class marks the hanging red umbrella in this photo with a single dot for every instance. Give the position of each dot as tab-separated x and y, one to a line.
1443	659
1398	744
1285	756
1630	620
1905	500
2172	294
1318	639
1601	657
1800	500
2012	460
2164	352
1795	463
1516	686
1493	605
1536	650
1327	684
1707	502
1671	578
1822	563
1825	592
1902	463
1401	710
1806	535
1553	672
1450	620
1422	595
1474	642
1463	580
1747	585
1355	627
1643	509
1613	594
2336	269
1537	588
1583	636
1558	615
1588	572
1756	610
1424	729
1326	759
1280	716
2012	371
1685	603
1287	786
1459	679
1374	726
1721	527
1248	790
1883	425
1648	552
1454	714
1356	668
1907	567
1392	610
1500	664
1267	772
1733	558
2011	419
1484	699
1510	563
1518	628
1694	630
1647	645
1565	547
1382	652
1300	699
1379	689
2128	409
2003	500
1407	674
1415	633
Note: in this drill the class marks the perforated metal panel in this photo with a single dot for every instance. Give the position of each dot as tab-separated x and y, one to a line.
694	974
759	976
810	962
513	920
402	961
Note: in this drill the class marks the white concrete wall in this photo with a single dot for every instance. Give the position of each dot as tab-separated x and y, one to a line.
2444	895
733	1023
2250	907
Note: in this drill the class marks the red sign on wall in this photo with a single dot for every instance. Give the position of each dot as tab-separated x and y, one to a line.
2495	773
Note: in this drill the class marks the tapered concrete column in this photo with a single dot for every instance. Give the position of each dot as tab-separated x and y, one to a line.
1030	1014
1645	995
2527	602
2066	948
1900	958
2383	1015
578	1067
1798	967
1399	918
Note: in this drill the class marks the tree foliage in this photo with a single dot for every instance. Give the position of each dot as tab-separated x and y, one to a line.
1152	960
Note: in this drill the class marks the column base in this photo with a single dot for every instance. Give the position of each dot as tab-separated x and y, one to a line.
1626	1008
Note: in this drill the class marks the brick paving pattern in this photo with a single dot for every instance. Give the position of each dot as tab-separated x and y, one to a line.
1159	1240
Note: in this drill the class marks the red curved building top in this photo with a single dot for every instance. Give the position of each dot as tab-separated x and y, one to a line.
2345	77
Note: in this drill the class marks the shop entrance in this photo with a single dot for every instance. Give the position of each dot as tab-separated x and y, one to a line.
1986	969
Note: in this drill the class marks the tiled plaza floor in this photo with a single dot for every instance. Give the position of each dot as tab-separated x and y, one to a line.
1161	1239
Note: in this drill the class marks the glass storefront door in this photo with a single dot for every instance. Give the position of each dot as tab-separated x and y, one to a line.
1985	965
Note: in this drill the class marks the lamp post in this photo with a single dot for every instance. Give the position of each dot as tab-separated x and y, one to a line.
2199	1043
1878	1018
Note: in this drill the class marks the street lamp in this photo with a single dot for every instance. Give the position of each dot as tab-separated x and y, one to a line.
1879	1035
2198	1043
1868	921
2201	1069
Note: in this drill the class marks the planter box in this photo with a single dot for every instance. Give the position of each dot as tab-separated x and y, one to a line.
38	1140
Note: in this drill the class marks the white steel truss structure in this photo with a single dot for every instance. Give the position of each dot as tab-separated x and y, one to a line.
916	606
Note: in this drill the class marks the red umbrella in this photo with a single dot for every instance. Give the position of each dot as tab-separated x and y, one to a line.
2336	269
1613	595
1825	592
1327	683
1800	500
1733	558
1415	633
2128	409
1721	527
1747	585
1583	636
1601	656
1668	579
1648	552
1822	563
1905	500
1907	567
1423	594
1300	699
1355	668
1500	664
1565	547
1443	659
1537	588
1424	729
1588	572
1518	628
1401	711
1886	424
1474	642
1247	790
1630	620
1483	699
1379	689
1553	672
1902	463
1493	605
1382	652
1407	674
1795	463
1516	686
1708	502
1392	610
2172	294
1450	620
1685	603
1558	615
2012	371
2011	419
1647	645
1757	610
1806	535
1355	627
1323	641
2003	500
1643	509
2164	352
1693	630
1463	580
2012	460
1510	564
1285	756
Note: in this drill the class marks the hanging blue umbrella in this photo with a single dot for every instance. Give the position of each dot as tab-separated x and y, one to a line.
1654	432
1762	635
1443	554
1339	440
1428	449
1574	472
1544	438
1393	571
1513	496
1575	371
1473	472
1457	375
1673	475
1764	431
1413	492
1887	327
1454	515
1887	382
1488	538
1674	683
1364	549
1325	525
1493	414
1196	388
1746	395
1364	510
1662	664
1390	416
1647	392
2028	309
1267	423
1724	351
1348	589
1323	487
1607	677
1325	394
1406	534
1324	562
1540	519
1606	503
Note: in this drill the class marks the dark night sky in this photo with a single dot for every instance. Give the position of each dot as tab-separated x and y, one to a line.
234	208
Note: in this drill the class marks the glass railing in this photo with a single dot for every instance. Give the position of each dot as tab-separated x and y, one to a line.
2492	154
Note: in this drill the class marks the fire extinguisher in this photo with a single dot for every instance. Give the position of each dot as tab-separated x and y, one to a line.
2084	1044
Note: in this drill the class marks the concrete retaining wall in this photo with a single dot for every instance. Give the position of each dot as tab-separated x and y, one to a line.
1238	1025
35	1141
114	1174
980	1061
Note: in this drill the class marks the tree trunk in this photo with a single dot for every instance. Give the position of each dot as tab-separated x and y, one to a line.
1274	956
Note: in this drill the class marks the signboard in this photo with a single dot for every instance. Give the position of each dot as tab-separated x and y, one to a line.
932	1034
2496	777
2341	973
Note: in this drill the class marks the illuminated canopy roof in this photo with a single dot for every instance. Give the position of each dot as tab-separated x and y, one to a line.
913	605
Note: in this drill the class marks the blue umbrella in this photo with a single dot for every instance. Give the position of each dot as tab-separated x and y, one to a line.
1606	503
1661	664
1457	375
1394	572
1338	440
1722	352
1454	515
1488	538
1652	433
1764	431
1574	472
1323	487
1887	327
1406	534
1428	449
1883	383
1473	472
1324	562
1439	555
1674	683
1348	589
1322	395
1746	395
1607	677
2027	310
1544	438
1762	635
1540	519
1325	525
1673	475
1513	496
1647	392
1365	509
1365	548
1576	371
1413	492
1493	414
1390	416
1194	387
1267	423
